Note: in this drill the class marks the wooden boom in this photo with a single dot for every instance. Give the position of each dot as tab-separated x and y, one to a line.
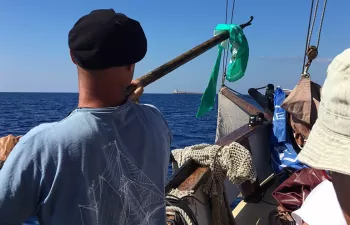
182	59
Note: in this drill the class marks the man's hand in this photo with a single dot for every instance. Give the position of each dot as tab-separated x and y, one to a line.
137	93
6	145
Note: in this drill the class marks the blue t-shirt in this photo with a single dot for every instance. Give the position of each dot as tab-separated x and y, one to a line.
95	167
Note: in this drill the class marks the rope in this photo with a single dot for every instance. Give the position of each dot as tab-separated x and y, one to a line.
312	51
233	9
182	213
226	51
322	17
313	22
224	56
231	20
226	11
307	35
176	204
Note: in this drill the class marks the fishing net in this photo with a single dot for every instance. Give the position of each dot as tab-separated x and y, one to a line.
232	161
230	117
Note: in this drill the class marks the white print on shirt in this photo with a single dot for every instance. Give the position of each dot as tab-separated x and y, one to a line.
122	195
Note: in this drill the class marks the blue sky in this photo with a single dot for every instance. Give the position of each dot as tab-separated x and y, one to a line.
34	54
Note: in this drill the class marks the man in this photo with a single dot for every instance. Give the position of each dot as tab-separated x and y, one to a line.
328	145
106	163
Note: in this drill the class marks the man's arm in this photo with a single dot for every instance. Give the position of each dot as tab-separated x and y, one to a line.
20	181
6	146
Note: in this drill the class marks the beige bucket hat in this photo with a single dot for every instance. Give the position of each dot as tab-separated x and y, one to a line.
328	145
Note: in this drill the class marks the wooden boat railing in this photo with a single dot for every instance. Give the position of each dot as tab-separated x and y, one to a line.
191	175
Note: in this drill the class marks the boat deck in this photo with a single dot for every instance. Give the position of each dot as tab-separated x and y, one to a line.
256	213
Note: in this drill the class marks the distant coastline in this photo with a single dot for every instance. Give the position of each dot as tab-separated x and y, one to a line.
57	92
186	92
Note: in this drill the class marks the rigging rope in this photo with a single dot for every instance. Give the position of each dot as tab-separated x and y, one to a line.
233	8
313	23
312	51
177	205
231	20
226	51
225	55
322	17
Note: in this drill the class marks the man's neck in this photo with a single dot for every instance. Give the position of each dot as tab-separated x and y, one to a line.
105	88
88	101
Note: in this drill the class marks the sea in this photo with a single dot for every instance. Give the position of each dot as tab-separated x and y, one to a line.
20	112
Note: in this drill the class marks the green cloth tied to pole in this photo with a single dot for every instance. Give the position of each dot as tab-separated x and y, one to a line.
238	45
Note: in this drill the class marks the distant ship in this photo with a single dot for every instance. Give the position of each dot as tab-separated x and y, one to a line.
185	92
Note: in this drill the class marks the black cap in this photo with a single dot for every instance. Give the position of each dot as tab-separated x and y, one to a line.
105	39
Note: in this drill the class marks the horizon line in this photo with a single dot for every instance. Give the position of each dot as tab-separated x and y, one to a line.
54	92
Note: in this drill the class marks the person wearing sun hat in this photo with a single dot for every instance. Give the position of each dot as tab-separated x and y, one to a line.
328	145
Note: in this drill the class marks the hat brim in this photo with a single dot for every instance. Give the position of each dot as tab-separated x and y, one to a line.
326	150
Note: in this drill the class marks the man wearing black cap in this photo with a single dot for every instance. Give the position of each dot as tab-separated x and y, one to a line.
106	163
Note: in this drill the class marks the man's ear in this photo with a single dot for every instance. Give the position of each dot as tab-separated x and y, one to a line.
131	67
71	56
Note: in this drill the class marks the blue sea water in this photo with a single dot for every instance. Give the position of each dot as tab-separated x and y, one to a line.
19	112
